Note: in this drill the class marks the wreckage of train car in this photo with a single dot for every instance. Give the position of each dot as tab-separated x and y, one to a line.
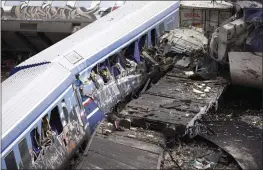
169	123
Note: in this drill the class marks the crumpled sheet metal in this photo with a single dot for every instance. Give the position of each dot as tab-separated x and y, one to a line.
129	83
186	40
239	139
107	96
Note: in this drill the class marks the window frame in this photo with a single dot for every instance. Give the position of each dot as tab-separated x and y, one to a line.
58	112
13	161
28	152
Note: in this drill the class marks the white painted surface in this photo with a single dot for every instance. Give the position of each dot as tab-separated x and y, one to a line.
35	3
26	89
59	3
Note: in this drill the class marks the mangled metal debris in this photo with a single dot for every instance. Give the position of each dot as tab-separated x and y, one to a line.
182	86
186	40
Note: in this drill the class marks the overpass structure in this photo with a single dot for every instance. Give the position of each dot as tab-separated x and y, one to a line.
36	25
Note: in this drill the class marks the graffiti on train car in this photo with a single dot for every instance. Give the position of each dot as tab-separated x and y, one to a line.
46	11
72	135
55	148
51	156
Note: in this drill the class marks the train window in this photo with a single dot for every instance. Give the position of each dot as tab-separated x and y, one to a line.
55	121
10	161
169	23
114	70
35	138
153	37
161	28
104	72
24	152
65	110
93	77
46	129
120	56
143	42
118	63
129	51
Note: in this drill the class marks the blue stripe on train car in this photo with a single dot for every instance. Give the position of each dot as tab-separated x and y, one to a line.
18	68
94	114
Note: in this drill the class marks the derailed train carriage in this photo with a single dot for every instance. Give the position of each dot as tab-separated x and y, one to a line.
46	117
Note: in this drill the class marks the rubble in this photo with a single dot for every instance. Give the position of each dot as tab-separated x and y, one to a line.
186	40
237	126
184	62
198	154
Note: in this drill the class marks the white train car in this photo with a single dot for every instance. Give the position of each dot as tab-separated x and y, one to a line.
46	116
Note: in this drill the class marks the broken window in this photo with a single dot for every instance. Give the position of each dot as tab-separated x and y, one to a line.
121	59
35	138
161	28
132	52
129	51
93	78
46	129
24	153
65	110
142	42
104	72
10	161
153	37
169	24
55	121
113	60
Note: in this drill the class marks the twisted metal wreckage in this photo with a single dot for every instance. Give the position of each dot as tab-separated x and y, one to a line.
160	125
182	85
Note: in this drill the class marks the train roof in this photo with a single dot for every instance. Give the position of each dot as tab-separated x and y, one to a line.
30	90
24	95
80	49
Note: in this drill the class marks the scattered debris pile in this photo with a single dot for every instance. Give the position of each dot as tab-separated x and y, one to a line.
197	154
184	40
237	126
